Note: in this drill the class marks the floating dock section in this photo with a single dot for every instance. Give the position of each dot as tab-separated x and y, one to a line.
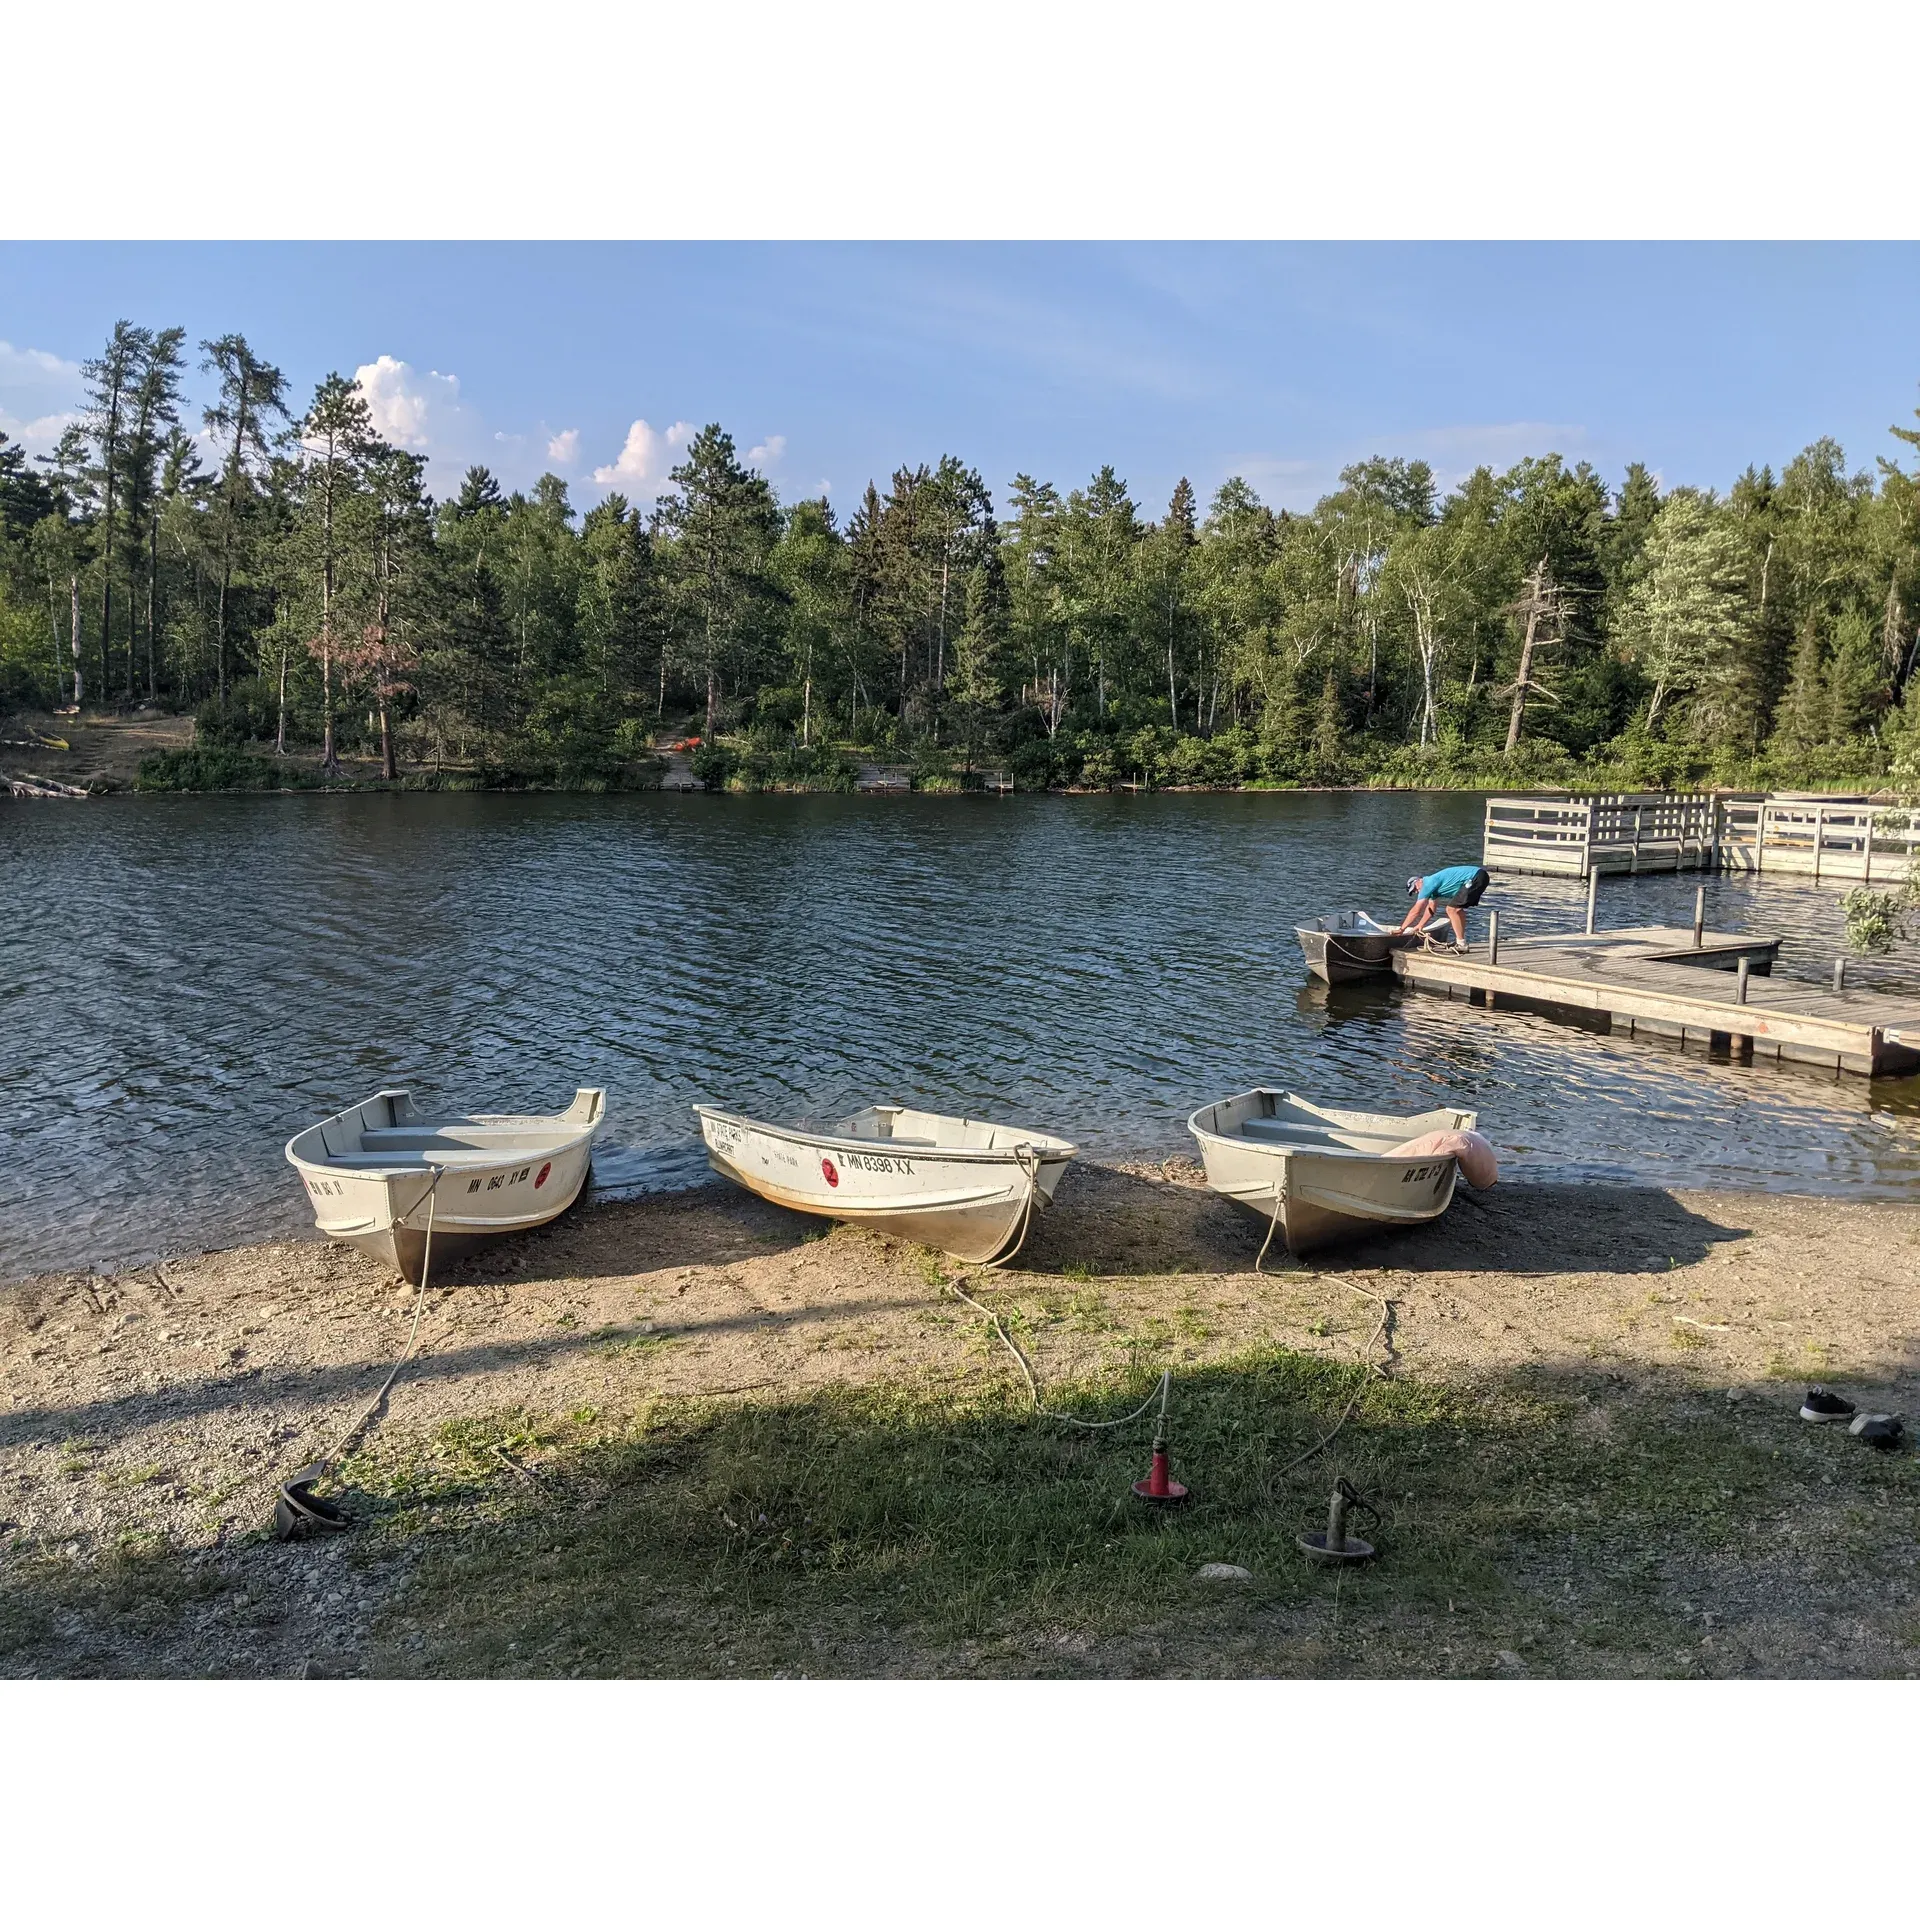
1856	841
1657	980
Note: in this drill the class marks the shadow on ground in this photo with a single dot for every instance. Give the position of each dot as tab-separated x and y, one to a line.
1110	1221
1552	1523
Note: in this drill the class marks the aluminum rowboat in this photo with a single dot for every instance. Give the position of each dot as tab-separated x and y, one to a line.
377	1171
1350	945
969	1187
1320	1173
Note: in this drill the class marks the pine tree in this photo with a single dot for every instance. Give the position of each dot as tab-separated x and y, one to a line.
1856	679
620	616
479	493
1800	721
404	578
979	687
252	397
724	520
156	417
1327	748
337	439
111	380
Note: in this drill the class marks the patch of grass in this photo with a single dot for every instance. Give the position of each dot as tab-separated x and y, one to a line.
1191	1322
1689	1339
53	1610
901	1529
1089	1312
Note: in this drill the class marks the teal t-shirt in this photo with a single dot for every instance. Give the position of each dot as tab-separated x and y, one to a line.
1448	884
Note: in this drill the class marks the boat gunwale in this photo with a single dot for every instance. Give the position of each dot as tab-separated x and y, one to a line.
1329	1150
479	1159
1047	1147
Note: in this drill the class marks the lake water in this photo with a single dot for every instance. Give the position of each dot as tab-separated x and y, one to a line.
185	982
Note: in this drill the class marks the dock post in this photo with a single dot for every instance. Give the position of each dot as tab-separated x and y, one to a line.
1699	912
1740	980
1840	974
1593	889
1493	938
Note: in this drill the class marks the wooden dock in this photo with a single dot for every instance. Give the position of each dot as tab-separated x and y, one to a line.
1656	980
1848	840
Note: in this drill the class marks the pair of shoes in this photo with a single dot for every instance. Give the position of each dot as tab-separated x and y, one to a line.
1882	1430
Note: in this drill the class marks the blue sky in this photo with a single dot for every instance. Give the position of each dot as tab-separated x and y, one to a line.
831	364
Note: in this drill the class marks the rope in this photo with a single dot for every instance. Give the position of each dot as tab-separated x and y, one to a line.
332	1458
420	1299
1029	1162
1033	1386
1374	1369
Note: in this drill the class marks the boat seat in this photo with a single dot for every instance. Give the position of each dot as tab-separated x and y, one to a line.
1283	1130
458	1138
422	1157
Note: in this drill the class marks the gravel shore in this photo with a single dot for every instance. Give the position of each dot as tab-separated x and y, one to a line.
147	1416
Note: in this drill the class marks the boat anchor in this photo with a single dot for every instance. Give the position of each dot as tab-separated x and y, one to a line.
1337	1547
300	1511
1159	1488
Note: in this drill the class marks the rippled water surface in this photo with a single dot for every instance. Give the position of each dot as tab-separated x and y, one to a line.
186	982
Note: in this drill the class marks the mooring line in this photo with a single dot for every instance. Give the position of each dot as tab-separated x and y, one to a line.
1033	1386
1375	1370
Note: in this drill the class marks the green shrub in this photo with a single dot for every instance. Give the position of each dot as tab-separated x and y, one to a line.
1875	921
217	770
713	764
251	714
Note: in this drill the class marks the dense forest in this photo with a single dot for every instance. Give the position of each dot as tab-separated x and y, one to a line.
286	577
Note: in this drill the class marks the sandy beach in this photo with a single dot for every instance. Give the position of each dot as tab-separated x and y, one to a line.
696	1435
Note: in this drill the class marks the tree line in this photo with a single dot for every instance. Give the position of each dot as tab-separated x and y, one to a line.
301	592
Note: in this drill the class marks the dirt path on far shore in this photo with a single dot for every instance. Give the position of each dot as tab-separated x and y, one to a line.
153	1411
101	750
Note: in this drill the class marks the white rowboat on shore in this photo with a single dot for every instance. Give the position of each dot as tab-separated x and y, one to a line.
1322	1174
969	1187
377	1172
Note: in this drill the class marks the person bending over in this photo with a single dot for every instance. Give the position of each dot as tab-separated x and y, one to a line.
1454	888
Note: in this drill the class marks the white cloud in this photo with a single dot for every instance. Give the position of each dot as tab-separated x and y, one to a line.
641	468
40	395
640	463
564	448
411	409
768	453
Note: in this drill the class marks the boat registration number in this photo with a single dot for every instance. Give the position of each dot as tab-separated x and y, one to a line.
1416	1176
501	1180
877	1162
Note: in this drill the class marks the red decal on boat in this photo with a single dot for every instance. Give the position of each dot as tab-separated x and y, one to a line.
831	1173
540	1178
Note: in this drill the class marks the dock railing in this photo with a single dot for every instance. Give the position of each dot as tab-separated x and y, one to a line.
1611	832
1828	839
1530	835
1852	840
